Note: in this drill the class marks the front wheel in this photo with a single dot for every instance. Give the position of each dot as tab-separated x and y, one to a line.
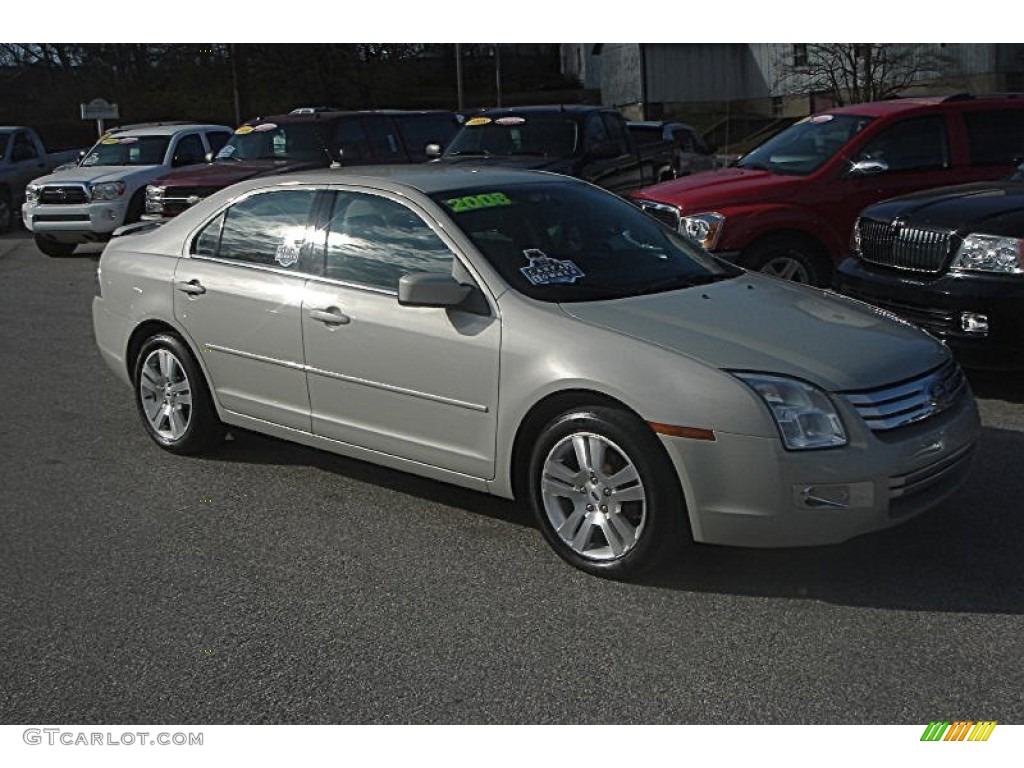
791	258
172	398
605	494
7	214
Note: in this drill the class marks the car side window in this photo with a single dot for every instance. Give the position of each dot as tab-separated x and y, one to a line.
685	140
189	150
217	140
351	140
594	131
617	132
373	241
995	137
916	144
23	148
267	228
383	140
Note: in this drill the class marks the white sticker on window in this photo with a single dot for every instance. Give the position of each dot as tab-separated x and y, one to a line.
264	127
543	270
287	254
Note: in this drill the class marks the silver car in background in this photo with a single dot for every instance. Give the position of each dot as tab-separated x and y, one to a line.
534	337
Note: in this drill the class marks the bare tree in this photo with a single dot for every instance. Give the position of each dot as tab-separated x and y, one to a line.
851	73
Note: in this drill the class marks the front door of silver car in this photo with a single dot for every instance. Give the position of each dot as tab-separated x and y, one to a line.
417	382
239	296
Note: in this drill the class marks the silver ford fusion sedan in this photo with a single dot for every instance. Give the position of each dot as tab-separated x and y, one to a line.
532	336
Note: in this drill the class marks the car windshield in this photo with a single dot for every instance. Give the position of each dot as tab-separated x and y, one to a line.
547	136
805	146
561	242
270	141
128	150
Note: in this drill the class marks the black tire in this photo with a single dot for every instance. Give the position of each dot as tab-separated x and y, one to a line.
135	207
54	248
162	365
7	212
575	508
790	257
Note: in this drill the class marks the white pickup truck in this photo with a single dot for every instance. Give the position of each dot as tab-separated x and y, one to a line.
22	158
107	189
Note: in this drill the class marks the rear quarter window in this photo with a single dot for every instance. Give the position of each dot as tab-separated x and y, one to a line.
995	137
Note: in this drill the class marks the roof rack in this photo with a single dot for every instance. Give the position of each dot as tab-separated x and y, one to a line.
154	124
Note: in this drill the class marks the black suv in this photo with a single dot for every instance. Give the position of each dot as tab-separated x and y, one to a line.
950	260
307	138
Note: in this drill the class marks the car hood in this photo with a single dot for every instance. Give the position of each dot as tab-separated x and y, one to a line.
96	174
995	208
759	323
718	187
222	174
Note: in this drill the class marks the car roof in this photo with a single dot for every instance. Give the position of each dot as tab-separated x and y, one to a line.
165	130
544	109
334	114
427	178
896	106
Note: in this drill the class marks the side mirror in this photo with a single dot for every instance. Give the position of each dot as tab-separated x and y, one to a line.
432	150
868	167
208	157
426	289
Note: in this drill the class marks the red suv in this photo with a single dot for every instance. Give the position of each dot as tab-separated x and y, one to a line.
787	208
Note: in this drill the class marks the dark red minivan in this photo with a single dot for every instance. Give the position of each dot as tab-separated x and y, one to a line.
787	208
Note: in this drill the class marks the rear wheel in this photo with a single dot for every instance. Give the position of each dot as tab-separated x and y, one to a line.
172	397
793	258
54	248
6	212
605	494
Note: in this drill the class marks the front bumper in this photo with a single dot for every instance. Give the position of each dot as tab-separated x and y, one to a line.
84	223
751	492
938	306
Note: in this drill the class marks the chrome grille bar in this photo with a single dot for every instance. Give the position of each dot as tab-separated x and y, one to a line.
907	402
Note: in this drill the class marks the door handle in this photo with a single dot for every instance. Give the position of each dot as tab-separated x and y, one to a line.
330	316
192	287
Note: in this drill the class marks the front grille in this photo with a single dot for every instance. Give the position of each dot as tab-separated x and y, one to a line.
895	245
941	322
178	199
907	402
666	214
64	195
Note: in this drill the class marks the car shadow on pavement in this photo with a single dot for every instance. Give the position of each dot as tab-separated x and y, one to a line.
963	556
253	448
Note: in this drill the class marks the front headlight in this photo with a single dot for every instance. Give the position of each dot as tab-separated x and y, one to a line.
990	253
705	228
155	199
32	194
109	190
804	414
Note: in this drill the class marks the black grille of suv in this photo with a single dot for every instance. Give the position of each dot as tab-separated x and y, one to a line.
57	195
891	244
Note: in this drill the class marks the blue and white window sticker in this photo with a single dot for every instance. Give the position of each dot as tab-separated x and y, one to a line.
543	270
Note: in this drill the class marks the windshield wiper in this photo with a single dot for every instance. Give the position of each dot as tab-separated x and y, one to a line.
470	153
754	166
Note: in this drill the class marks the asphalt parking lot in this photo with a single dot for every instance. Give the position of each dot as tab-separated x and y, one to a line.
272	583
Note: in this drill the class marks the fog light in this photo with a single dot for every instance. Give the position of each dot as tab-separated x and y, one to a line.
972	322
844	496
